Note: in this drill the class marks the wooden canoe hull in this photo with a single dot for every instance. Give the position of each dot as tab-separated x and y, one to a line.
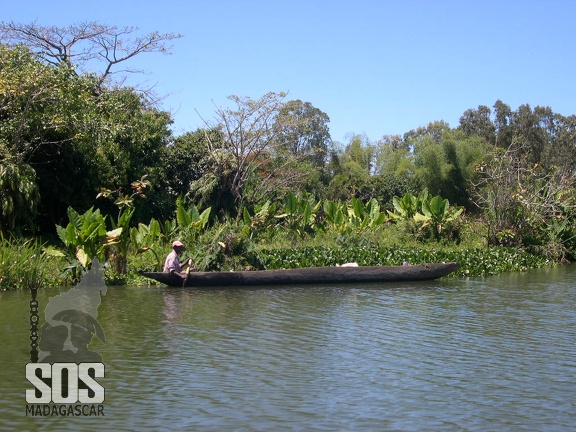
308	275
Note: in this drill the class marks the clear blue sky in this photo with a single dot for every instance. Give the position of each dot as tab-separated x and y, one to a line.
375	67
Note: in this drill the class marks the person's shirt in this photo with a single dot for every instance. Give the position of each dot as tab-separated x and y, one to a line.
172	263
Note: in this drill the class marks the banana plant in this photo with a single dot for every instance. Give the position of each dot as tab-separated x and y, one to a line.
436	213
191	218
261	220
299	214
362	216
86	237
373	214
145	237
354	215
336	214
121	227
408	206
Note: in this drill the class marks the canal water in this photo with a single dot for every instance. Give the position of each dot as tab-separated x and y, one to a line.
480	354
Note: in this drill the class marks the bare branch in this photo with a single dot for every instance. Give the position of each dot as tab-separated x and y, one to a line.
85	44
246	153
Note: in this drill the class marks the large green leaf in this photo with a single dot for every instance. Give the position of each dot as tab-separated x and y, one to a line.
435	208
62	234
74	219
194	213
205	216
339	218
291	204
154	228
82	257
182	216
330	208
126	217
357	207
246	216
307	213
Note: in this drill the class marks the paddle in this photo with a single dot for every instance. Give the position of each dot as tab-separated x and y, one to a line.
189	261
186	278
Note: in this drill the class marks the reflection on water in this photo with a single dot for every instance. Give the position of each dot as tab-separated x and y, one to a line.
481	354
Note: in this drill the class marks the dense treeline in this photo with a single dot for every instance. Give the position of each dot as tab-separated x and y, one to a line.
71	139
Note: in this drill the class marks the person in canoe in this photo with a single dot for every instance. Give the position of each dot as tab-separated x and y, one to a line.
173	264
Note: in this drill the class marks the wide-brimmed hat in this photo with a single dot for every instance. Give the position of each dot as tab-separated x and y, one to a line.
177	243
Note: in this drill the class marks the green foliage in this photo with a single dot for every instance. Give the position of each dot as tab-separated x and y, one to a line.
145	234
437	213
188	160
191	220
262	220
169	228
335	213
225	247
78	134
432	212
387	185
75	132
354	216
19	196
85	237
299	214
25	264
445	165
527	205
303	132
118	252
148	238
407	207
245	161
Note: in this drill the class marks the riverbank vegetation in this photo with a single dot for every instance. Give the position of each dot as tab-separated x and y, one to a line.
89	168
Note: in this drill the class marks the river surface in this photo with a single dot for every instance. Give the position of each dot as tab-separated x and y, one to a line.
481	354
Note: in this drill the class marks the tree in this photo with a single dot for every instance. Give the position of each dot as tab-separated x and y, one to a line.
446	168
84	44
19	196
434	131
502	119
134	146
35	114
245	159
394	142
75	138
525	125
561	130
360	151
304	131
39	104
393	157
355	167
477	122
192	174
187	160
525	203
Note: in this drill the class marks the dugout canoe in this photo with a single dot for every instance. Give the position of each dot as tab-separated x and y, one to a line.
308	275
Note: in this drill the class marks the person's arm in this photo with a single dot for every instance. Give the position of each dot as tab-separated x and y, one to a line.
181	274
190	263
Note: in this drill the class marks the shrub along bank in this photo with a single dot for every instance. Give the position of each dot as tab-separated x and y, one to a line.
299	233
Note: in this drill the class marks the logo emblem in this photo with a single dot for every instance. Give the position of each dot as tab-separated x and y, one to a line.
65	371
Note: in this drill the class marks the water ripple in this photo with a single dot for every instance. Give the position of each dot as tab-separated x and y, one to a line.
484	354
